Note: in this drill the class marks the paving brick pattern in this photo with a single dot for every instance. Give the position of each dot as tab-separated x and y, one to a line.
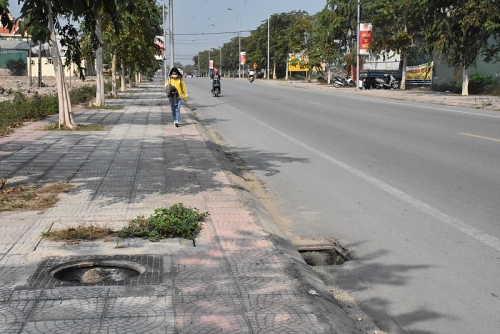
234	281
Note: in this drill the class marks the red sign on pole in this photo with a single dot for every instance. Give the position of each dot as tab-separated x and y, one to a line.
365	37
243	58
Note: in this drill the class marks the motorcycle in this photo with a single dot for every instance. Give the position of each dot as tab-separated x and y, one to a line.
390	82
350	82
216	87
251	78
339	82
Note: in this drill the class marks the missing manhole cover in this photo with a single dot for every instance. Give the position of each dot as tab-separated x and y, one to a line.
322	255
96	270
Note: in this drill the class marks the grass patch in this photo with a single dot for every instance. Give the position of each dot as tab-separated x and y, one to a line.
173	222
79	233
176	221
78	127
22	108
30	197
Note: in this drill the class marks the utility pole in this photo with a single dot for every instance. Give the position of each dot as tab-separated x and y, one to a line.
171	38
268	37
220	49
164	46
239	42
357	52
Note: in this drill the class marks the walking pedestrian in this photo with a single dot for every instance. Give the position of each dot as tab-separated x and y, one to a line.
176	92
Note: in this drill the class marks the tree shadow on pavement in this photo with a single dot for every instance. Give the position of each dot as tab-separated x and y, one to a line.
357	277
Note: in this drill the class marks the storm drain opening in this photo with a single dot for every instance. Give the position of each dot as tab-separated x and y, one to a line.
323	254
97	271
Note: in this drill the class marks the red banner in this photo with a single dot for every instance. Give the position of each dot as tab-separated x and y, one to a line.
365	37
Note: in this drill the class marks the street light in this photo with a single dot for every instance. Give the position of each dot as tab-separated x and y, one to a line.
239	41
171	38
220	50
268	6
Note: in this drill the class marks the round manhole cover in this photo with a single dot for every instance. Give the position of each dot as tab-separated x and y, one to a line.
96	271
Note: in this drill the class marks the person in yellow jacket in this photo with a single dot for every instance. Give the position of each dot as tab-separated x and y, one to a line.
176	91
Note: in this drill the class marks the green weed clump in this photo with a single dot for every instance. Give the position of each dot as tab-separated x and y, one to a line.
82	94
173	222
21	108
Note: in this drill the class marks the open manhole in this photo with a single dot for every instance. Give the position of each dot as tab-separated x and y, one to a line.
96	270
323	254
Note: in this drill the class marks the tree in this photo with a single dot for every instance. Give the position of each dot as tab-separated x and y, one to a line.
16	66
396	24
4	16
460	30
325	40
135	44
289	36
40	18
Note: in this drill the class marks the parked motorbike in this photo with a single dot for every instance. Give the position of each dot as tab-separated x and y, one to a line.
350	82
389	82
216	87
339	82
251	78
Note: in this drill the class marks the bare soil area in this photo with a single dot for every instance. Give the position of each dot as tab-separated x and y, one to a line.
12	84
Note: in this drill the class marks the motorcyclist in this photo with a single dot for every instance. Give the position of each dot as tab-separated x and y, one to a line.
216	77
251	75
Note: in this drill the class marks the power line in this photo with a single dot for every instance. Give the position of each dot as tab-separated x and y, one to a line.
212	33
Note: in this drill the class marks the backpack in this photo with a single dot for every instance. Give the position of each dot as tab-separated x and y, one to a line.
172	92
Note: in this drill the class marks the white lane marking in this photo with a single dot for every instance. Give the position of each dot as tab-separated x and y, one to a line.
316	103
401	195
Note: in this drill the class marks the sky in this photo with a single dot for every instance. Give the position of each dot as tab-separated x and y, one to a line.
210	24
207	24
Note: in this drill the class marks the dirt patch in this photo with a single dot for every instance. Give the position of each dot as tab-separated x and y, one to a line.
30	197
12	84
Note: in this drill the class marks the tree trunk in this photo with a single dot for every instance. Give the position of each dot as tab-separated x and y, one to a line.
402	86
65	114
114	90
465	82
122	84
99	94
274	70
329	74
403	73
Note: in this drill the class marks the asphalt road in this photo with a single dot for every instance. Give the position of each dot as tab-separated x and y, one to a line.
411	189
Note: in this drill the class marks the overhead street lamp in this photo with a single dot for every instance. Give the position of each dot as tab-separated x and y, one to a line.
171	39
268	6
239	41
220	50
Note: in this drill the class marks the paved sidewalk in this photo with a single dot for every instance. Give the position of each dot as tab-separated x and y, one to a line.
486	102
239	278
